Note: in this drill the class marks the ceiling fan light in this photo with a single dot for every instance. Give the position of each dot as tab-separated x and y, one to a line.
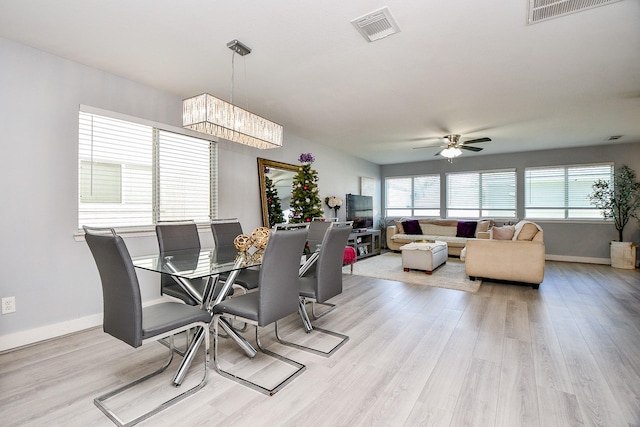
451	152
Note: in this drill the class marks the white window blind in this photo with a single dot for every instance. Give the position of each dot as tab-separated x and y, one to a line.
413	196
133	174
562	192
183	178
481	194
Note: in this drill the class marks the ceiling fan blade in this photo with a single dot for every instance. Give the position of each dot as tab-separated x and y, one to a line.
438	153
475	141
430	146
476	149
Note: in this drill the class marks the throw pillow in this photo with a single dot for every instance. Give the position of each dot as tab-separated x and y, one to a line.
399	228
483	226
503	233
466	229
411	226
528	232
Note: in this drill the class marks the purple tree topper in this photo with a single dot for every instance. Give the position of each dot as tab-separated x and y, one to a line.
306	158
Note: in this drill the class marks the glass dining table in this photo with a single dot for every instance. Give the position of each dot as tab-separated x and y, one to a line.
208	264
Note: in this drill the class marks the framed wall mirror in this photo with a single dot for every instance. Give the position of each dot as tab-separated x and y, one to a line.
280	176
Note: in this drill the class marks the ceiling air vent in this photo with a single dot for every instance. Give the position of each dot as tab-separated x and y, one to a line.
541	10
376	25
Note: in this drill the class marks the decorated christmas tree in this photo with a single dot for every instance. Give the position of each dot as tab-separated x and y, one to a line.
274	207
305	201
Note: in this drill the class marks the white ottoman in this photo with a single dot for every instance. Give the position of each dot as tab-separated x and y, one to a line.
424	256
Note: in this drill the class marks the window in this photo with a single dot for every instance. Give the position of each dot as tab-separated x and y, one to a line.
481	194
413	196
562	192
133	174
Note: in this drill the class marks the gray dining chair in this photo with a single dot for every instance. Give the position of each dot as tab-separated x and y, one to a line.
172	236
126	319
179	236
324	284
224	232
317	228
277	297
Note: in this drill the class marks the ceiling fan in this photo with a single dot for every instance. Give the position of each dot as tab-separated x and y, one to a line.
454	146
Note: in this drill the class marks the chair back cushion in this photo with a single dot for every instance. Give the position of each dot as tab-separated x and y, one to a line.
329	264
174	237
225	232
120	289
317	230
279	285
178	236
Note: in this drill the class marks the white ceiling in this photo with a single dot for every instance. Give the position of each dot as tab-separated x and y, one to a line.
457	66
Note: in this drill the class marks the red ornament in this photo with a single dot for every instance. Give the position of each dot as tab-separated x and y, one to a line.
307	219
305	187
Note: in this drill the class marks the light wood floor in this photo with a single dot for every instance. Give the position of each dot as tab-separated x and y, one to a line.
567	354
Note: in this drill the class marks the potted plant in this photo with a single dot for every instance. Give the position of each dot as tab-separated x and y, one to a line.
619	200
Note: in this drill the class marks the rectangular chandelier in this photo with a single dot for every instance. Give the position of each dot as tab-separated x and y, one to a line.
207	114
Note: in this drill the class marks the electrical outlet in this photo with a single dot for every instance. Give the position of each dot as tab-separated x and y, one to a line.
8	305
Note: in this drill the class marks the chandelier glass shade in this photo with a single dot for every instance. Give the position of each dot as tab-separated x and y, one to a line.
207	114
451	152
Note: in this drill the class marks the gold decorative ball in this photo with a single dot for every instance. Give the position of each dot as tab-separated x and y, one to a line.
242	242
260	237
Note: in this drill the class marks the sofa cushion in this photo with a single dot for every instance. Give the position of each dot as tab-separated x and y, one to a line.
441	222
438	230
466	229
411	226
503	233
399	227
528	232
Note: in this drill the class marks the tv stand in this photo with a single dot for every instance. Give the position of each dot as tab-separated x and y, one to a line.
366	243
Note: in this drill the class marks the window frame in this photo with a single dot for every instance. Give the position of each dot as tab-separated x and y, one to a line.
412	191
480	196
567	208
157	130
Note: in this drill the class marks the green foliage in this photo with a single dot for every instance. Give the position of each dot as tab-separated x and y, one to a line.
274	206
619	199
305	201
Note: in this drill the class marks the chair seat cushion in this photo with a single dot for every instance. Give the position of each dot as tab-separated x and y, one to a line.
160	318
247	278
308	287
244	306
176	291
173	289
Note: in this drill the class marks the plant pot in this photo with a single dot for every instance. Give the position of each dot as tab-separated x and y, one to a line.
623	255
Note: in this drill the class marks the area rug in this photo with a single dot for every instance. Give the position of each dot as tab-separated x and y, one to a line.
450	275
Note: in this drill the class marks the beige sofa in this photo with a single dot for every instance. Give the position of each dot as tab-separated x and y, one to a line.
520	259
443	230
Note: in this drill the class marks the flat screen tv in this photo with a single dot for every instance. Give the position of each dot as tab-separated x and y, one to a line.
360	210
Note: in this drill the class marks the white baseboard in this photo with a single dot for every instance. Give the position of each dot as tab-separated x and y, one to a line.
31	336
584	260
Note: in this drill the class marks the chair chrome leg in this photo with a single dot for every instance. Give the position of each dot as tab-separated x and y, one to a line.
100	401
239	339
343	340
304	316
269	392
324	313
180	352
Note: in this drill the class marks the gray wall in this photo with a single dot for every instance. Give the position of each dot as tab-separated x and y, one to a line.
586	241
51	273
